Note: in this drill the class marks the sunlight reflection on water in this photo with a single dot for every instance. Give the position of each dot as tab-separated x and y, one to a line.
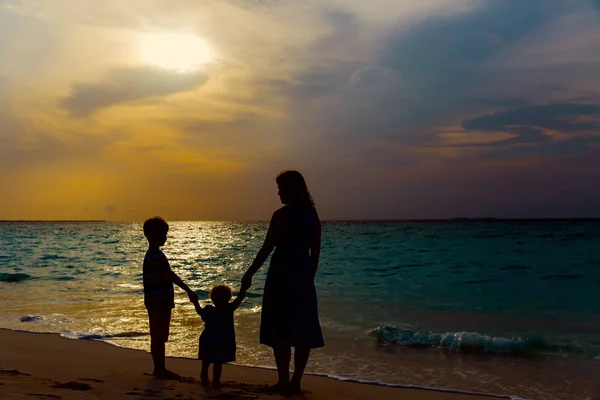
86	279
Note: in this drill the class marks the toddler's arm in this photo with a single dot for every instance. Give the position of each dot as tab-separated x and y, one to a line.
240	297
198	308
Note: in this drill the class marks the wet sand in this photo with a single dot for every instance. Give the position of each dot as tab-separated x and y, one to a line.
47	366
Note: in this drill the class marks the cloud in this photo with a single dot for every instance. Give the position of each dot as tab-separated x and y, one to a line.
446	66
526	125
347	91
524	135
551	116
575	149
437	70
444	53
129	84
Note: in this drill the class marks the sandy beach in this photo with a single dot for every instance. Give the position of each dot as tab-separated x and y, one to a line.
47	366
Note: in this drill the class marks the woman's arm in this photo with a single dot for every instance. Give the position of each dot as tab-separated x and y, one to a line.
315	251
273	234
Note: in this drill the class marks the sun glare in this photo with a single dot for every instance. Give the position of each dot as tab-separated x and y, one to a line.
176	51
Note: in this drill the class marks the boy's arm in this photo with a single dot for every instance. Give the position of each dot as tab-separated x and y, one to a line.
172	276
177	280
238	300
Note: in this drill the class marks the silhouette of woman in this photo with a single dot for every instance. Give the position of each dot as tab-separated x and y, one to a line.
290	316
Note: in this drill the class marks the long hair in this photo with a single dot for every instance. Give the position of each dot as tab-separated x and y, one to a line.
293	189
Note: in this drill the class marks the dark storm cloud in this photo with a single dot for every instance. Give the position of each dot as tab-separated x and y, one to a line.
129	84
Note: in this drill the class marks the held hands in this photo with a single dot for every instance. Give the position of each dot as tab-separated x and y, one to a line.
198	308
193	296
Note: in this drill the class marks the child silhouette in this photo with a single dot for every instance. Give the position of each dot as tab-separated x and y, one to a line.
159	296
217	341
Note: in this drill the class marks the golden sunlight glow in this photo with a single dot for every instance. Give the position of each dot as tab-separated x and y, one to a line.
176	51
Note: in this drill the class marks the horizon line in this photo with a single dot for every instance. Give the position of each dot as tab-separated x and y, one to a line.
381	220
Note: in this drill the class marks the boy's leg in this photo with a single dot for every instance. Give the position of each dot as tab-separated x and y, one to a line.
157	349
301	355
217	369
160	320
204	373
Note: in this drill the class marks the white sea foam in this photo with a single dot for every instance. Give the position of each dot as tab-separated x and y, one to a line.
95	336
105	338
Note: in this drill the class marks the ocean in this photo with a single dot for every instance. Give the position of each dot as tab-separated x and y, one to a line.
505	307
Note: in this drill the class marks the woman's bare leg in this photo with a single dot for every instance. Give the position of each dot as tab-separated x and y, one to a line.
204	373
217	369
283	356
301	355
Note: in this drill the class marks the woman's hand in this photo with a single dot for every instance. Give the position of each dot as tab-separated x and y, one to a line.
192	296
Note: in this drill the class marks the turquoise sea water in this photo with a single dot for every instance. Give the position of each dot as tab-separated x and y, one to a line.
474	305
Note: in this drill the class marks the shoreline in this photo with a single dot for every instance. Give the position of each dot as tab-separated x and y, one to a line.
38	353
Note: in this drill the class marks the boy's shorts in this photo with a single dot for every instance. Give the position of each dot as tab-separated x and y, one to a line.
160	321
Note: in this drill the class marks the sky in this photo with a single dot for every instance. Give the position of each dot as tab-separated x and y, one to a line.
392	109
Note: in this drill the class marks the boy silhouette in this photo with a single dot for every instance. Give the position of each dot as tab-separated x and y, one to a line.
159	295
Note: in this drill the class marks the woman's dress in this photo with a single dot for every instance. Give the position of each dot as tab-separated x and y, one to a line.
290	315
